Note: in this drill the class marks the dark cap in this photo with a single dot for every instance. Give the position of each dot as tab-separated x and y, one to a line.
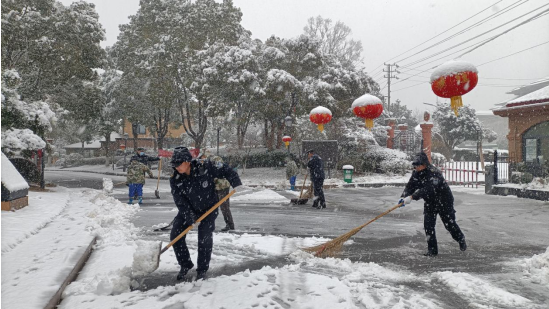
140	148
310	151
181	154
420	159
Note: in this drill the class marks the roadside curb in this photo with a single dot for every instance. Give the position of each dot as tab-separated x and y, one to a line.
56	298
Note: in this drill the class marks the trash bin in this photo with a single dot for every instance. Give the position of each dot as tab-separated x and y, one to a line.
348	173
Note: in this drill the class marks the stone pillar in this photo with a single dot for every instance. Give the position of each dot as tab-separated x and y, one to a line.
426	128
391	122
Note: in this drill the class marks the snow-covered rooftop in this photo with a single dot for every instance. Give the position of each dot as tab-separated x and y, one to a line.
95	144
11	179
525	89
538	96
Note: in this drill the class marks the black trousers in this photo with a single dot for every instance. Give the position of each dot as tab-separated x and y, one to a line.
318	191
205	241
226	207
448	217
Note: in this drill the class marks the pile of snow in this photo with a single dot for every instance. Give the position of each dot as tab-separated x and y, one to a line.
11	179
536	268
107	185
365	100
479	291
452	67
260	196
145	258
320	110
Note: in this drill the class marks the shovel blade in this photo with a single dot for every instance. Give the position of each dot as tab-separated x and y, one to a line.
299	201
156	193
157	260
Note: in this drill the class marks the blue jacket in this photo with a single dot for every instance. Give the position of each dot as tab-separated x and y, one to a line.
194	194
316	168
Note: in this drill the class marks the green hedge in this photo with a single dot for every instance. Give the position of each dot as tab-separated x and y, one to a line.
275	158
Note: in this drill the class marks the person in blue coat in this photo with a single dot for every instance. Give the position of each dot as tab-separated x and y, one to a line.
427	183
316	169
193	189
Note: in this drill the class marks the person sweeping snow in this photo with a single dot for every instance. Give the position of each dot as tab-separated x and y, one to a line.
193	189
427	183
135	180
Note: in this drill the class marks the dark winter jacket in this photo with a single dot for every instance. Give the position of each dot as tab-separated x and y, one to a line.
430	185
194	194
144	159
316	168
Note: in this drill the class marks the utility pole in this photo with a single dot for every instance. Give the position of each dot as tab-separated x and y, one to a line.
389	75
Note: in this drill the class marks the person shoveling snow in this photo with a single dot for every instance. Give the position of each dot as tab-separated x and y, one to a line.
193	188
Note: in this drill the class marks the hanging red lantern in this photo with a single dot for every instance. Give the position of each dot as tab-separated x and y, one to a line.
454	79
368	107
320	115
286	139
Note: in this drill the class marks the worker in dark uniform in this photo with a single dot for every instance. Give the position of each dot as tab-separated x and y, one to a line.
427	183
193	190
316	169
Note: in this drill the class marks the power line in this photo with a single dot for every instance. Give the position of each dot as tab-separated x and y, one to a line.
504	32
458	24
505	10
489	39
520	51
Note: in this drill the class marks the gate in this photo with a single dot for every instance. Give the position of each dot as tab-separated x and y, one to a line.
408	141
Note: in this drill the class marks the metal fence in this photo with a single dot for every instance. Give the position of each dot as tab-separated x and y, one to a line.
463	173
408	141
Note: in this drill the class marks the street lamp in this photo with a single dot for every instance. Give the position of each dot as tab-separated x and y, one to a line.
288	124
125	144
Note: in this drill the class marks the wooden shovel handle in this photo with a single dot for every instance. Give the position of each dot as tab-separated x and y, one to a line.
159	171
303	186
197	221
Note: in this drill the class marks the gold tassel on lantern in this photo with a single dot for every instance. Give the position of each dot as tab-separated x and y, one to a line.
287	144
321	127
456	103
369	123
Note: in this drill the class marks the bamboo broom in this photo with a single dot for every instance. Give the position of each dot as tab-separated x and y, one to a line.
333	247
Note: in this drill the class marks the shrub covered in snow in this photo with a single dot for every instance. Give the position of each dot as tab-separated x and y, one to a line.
438	159
384	160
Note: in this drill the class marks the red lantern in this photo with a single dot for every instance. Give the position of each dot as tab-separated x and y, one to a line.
368	107
320	115
454	79
286	139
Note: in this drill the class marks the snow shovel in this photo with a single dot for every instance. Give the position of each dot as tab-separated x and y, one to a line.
165	227
300	201
156	193
160	251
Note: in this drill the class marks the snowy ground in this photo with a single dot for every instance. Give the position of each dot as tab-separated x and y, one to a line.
40	244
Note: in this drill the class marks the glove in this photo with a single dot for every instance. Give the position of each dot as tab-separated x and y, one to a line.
404	201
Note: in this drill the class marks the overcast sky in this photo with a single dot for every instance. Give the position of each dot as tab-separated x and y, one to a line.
390	28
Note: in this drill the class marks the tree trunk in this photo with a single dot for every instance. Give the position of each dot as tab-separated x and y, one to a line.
107	147
265	133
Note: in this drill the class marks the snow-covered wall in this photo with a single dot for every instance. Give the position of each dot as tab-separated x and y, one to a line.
11	179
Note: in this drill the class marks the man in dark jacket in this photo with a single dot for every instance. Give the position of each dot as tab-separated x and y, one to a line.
427	183
316	169
193	190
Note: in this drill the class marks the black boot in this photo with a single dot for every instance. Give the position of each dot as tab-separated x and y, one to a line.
462	245
227	228
182	273
201	275
315	204
321	206
430	254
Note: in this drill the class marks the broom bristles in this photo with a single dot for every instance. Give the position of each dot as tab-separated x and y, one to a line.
333	247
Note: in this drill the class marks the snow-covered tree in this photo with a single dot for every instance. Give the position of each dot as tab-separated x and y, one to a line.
335	40
48	48
453	130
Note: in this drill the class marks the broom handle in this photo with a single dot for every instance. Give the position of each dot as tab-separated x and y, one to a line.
381	215
303	186
159	171
197	221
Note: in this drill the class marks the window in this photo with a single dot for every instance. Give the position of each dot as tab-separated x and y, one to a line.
536	143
